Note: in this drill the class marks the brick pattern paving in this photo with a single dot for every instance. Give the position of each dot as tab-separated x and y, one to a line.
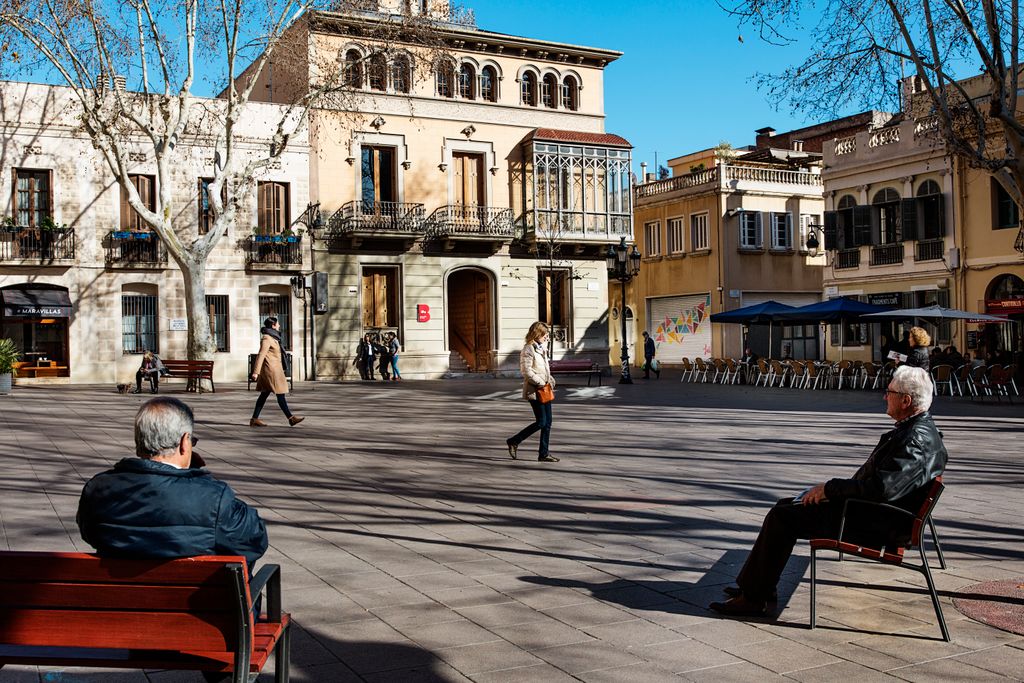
414	549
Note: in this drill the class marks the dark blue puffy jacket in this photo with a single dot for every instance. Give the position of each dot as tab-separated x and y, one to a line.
147	509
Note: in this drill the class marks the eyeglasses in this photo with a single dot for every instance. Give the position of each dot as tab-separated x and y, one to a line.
893	391
195	440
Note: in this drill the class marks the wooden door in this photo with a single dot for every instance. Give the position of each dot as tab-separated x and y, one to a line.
469	181
482	322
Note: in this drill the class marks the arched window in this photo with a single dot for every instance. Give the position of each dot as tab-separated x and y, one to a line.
401	73
931	221
528	87
570	92
353	72
548	90
488	84
378	72
445	77
887	211
844	224
467	82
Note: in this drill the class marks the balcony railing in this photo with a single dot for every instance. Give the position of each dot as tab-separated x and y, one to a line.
378	217
552	224
679	182
929	250
885	136
846	145
34	244
771	175
274	250
887	254
847	258
471	221
126	249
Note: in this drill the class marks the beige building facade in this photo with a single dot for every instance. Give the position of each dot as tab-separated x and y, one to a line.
86	287
728	229
466	192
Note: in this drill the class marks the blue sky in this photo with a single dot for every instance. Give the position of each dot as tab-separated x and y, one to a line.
684	82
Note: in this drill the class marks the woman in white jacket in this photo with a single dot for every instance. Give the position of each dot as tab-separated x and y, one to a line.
533	363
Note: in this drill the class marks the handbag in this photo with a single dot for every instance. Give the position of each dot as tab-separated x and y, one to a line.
545	394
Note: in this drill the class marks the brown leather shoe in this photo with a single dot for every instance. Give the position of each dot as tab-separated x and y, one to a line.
739	607
256	422
295	419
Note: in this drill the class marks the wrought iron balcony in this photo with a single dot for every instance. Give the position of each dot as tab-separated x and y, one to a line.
378	219
847	258
273	251
36	245
887	254
577	226
471	222
929	250
134	249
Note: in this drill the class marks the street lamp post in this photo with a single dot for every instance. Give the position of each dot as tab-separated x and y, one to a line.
623	265
302	286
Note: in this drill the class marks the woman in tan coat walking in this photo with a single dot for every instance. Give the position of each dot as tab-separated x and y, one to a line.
533	363
268	371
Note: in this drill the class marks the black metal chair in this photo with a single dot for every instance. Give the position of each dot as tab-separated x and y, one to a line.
922	518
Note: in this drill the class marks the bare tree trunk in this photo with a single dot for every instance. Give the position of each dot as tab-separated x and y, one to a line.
200	342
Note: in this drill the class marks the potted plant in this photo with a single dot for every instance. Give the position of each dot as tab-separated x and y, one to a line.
8	357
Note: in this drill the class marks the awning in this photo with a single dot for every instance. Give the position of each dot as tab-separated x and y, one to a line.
35	303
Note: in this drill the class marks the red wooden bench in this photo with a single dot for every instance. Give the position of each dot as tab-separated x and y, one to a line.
74	609
891	556
576	366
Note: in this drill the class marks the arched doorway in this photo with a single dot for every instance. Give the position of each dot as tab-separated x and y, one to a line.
631	337
470	317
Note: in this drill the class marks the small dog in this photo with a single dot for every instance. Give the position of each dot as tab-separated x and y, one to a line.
124	387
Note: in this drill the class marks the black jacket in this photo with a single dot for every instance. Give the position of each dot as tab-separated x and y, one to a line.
147	509
906	459
918	358
649	348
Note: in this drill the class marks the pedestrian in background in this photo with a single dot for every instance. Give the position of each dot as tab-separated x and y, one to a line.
537	379
393	348
151	368
364	357
649	362
383	358
268	371
919	342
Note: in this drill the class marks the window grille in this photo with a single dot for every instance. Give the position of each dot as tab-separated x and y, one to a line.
652	238
676	234
31	197
139	324
217	308
280	307
698	232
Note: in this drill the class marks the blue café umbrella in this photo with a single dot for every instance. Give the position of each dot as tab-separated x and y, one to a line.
757	314
840	309
935	313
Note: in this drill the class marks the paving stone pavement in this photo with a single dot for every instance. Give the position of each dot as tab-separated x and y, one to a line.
414	549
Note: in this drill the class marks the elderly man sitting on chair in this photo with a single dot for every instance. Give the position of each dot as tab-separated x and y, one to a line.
898	471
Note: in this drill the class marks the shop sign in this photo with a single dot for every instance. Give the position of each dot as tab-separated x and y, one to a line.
972	339
1004	306
179	325
19	311
887	299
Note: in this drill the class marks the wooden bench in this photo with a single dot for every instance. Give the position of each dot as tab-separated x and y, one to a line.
576	366
193	370
195	614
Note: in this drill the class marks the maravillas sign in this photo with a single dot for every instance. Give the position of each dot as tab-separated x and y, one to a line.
1004	306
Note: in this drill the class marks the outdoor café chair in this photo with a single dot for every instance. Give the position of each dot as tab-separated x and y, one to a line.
964	384
764	372
842	370
687	370
779	373
720	370
797	373
732	371
1011	370
700	370
886	555
814	375
870	373
996	382
943	375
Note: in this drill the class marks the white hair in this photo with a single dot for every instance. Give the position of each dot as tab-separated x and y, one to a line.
915	383
159	426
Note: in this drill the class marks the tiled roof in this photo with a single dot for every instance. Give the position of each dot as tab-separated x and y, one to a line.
579	137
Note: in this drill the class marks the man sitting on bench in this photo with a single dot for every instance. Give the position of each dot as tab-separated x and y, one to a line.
906	459
163	504
151	368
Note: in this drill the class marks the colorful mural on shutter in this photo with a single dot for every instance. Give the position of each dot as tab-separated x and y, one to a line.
681	326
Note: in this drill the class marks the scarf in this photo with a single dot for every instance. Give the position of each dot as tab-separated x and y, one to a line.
270	331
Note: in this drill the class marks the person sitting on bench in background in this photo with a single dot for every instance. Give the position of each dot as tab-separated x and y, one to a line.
151	368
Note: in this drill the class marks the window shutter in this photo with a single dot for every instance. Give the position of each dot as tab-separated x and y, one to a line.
831	231
910	227
940	213
866	228
126	209
789	231
759	222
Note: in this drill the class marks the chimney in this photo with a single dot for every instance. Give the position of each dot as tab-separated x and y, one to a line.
643	170
763	136
649	177
798	145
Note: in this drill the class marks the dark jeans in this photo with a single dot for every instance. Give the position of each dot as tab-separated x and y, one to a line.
261	401
152	375
647	368
542	421
782	527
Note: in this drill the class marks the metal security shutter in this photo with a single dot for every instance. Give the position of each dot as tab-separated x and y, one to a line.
790	299
680	326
